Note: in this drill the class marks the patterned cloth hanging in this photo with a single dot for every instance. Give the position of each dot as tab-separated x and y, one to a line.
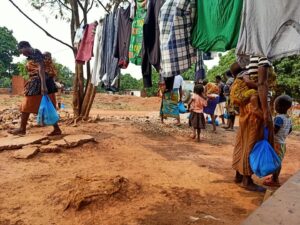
135	47
175	24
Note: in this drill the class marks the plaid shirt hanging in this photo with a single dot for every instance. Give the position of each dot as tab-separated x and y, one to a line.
175	24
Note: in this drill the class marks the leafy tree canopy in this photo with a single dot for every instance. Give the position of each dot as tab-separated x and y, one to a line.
8	49
189	74
224	64
128	82
64	74
288	76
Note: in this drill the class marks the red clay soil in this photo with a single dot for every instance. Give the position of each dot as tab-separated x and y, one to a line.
137	173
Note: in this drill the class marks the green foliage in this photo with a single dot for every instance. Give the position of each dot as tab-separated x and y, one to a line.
8	49
64	74
5	82
22	69
288	76
189	74
224	65
129	82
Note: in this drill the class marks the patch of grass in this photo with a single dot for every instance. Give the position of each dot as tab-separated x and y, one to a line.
296	123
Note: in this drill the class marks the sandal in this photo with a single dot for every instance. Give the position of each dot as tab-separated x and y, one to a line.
271	183
54	133
17	132
254	187
229	129
193	136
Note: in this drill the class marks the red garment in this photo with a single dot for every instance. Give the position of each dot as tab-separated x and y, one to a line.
85	51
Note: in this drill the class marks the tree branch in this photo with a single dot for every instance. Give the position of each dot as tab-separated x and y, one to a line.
86	4
102	5
91	6
64	5
46	32
80	5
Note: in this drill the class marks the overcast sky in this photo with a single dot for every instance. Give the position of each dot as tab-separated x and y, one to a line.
23	29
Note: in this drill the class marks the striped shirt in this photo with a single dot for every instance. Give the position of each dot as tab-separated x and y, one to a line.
255	63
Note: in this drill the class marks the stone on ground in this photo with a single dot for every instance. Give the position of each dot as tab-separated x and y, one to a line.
15	142
50	149
75	140
60	143
26	152
45	142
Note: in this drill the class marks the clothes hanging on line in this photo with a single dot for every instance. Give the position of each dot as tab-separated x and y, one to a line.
151	48
269	28
199	67
103	54
95	78
85	50
175	23
78	36
217	25
109	67
132	9
136	39
123	37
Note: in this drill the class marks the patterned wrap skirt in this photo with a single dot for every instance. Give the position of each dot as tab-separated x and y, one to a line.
32	92
169	107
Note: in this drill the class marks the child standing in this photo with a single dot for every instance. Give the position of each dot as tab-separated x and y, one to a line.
282	128
196	105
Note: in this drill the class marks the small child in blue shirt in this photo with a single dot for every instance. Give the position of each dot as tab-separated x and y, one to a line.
282	128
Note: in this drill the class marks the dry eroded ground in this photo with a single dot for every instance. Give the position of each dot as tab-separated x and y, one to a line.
137	173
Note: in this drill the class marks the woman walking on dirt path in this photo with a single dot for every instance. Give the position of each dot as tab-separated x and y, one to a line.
39	83
171	96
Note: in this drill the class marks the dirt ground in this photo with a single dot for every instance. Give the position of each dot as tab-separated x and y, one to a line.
138	172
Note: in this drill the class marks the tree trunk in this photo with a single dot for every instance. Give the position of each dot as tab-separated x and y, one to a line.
88	101
78	90
78	85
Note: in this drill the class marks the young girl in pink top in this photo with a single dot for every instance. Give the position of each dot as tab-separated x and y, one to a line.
196	105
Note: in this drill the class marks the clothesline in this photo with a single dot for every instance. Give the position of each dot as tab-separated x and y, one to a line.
172	35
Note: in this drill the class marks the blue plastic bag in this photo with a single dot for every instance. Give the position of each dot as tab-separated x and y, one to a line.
209	121
226	115
181	107
263	159
47	114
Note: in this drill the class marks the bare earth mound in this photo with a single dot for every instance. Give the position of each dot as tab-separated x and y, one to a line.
136	172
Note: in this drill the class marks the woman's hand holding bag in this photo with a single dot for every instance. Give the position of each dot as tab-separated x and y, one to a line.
47	114
263	159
